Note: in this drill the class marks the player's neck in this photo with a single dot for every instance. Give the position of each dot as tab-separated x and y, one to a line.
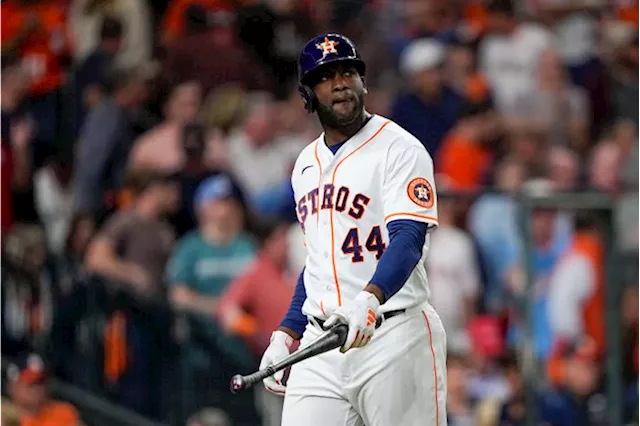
335	136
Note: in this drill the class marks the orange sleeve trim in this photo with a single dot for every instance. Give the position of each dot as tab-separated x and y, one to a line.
333	178
435	369
420	216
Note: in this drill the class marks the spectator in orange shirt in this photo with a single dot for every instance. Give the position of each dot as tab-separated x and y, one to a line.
28	389
35	31
464	157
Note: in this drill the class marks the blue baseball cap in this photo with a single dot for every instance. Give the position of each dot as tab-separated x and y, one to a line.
213	189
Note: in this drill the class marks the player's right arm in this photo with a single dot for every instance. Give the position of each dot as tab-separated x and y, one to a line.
290	329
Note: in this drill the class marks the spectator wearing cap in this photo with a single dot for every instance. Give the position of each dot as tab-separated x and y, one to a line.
134	244
509	53
574	370
105	140
429	108
27	383
206	260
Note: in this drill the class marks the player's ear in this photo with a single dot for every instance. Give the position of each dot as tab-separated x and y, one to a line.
364	85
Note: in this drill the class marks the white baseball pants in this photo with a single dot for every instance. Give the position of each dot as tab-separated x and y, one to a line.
398	379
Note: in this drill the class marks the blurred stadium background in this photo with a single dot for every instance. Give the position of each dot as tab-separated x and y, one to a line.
149	239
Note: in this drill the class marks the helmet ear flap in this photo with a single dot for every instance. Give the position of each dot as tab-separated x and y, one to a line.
309	97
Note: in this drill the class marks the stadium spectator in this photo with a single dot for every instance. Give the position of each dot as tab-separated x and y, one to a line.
453	273
492	223
462	74
513	409
425	19
553	106
18	129
576	291
134	244
92	72
563	169
162	149
486	379
29	290
105	141
465	157
429	108
28	381
206	260
604	167
190	58
624	78
35	31
54	201
459	406
575	372
625	135
257	157
174	25
509	52
86	17
254	302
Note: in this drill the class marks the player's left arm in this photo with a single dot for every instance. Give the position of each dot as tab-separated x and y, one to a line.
410	212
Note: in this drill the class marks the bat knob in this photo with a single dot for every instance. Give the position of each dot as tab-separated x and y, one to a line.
237	383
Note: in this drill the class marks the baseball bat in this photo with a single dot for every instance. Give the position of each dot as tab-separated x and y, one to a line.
330	339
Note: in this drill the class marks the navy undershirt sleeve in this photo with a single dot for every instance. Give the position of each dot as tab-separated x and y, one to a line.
294	318
406	240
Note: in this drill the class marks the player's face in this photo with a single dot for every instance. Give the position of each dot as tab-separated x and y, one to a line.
340	92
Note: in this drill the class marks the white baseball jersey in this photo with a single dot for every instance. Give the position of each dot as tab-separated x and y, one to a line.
344	202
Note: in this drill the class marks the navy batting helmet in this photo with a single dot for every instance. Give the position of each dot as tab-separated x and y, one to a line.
321	50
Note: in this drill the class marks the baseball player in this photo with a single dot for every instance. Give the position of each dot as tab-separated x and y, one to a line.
366	202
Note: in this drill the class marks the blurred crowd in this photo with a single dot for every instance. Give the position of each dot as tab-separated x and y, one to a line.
147	145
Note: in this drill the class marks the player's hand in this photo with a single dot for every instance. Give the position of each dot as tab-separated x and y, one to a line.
360	316
279	348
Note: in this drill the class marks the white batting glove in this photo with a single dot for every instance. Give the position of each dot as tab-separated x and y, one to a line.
360	316
279	348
